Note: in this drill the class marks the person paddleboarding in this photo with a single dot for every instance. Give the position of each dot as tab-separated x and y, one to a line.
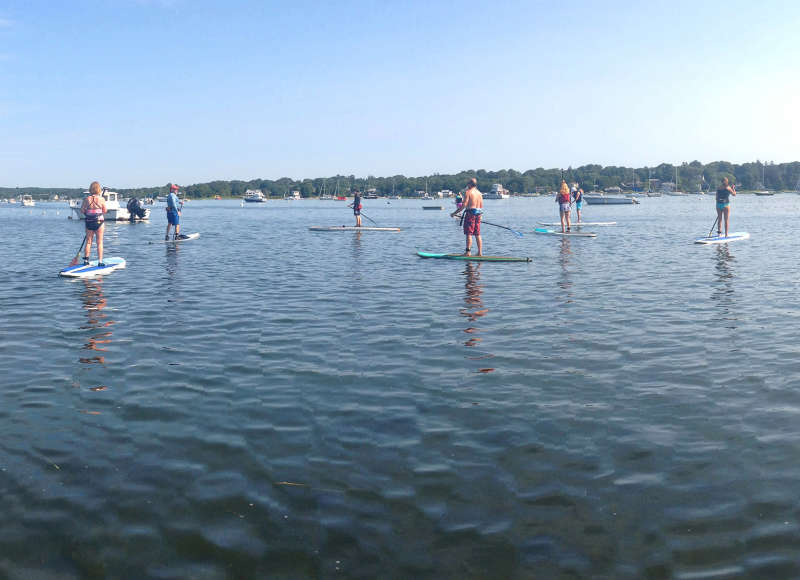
472	209
94	208
724	193
562	199
356	205
173	208
577	198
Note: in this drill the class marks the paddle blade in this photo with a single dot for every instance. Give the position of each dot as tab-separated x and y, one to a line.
74	261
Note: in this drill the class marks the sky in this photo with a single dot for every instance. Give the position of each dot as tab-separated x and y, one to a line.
144	92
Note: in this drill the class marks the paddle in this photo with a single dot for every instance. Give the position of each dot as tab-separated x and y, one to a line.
369	218
712	227
499	226
504	227
78	253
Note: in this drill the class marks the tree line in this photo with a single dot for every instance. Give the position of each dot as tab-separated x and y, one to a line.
692	176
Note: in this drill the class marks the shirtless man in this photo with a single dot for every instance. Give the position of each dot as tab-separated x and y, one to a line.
472	208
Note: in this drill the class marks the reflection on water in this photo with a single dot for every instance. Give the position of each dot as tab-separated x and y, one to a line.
565	280
723	293
98	324
172	258
474	308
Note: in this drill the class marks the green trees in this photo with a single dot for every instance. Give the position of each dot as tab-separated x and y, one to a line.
754	175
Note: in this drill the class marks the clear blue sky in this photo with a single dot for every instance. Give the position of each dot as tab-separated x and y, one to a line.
136	93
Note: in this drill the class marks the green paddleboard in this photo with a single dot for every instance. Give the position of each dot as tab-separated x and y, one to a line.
472	258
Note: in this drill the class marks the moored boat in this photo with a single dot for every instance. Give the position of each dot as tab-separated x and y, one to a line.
254	196
497	192
114	211
601	199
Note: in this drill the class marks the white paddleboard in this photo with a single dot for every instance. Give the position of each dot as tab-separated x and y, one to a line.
560	233
351	229
731	237
193	236
578	224
84	271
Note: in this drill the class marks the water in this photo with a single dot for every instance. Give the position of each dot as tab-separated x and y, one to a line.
268	402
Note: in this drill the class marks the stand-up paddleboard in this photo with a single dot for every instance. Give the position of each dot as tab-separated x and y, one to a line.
558	233
472	258
351	229
731	237
578	224
87	271
188	237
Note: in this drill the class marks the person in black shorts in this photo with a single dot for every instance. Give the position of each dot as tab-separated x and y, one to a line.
356	205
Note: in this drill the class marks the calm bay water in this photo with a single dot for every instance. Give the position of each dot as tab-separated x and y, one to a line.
269	402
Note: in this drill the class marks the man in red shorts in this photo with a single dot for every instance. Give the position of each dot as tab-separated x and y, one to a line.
472	208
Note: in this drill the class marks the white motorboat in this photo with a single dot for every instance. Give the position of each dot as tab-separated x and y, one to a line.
254	196
114	211
497	192
27	201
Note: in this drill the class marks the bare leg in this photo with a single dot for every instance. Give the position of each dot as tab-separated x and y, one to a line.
563	226
566	214
88	249
719	221
100	243
727	212
479	241
166	236
579	215
469	246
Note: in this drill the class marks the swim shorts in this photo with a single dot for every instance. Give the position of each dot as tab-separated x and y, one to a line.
173	218
723	205
578	205
93	225
563	207
472	224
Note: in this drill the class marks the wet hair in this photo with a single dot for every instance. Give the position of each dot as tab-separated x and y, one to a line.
95	189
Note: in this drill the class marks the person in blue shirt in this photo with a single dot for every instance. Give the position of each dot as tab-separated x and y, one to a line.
174	206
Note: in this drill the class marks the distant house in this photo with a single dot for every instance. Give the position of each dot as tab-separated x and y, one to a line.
613	189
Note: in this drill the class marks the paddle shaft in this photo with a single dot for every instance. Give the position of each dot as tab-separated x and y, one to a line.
712	227
78	253
495	225
369	218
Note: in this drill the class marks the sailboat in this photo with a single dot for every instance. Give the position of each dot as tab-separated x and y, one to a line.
764	191
324	194
336	195
677	189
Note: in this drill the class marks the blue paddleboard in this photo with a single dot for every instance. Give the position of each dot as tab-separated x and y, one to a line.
731	237
92	269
